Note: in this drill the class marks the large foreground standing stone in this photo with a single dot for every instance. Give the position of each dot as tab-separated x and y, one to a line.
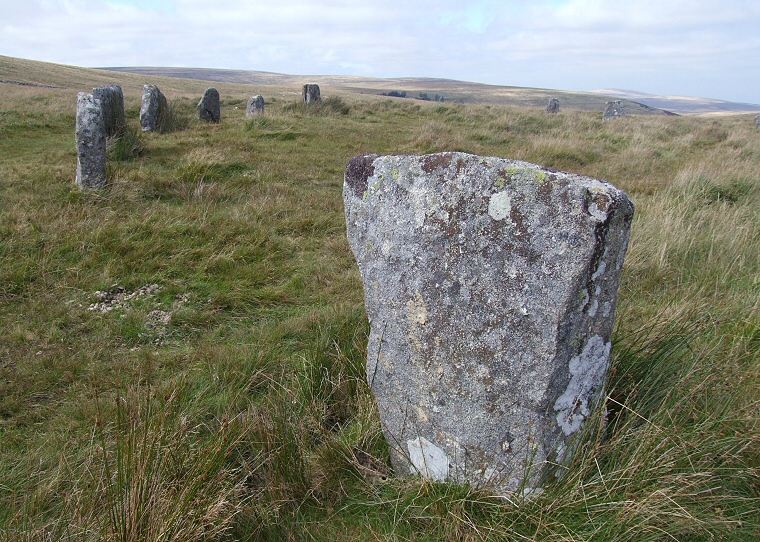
490	286
91	135
112	103
153	109
311	94
210	108
255	106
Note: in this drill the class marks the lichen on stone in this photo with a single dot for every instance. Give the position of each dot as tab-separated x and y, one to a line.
499	206
427	459
587	370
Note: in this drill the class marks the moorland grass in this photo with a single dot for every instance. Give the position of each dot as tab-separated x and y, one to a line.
229	402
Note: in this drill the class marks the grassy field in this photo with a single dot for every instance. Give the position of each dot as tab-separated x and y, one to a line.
182	354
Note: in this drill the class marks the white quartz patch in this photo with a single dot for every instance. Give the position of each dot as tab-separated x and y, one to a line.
428	459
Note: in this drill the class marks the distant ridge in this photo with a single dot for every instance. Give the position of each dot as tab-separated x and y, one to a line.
453	91
681	104
190	81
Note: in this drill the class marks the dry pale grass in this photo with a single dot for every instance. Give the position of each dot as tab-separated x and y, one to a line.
241	225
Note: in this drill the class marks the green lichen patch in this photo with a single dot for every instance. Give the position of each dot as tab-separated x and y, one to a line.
519	175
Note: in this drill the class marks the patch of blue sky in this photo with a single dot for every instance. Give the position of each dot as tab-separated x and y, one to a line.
157	5
477	16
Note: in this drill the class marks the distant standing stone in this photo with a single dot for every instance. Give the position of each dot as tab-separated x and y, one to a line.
154	108
490	287
210	108
553	106
614	110
311	94
757	122
255	106
91	137
112	103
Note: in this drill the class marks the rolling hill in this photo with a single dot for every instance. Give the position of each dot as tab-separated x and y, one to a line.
682	105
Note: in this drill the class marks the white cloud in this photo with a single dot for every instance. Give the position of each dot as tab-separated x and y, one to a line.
667	46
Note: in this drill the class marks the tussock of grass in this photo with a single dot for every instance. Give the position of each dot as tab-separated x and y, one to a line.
231	402
156	475
126	145
334	105
175	118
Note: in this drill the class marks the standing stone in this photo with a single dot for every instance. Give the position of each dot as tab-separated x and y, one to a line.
91	137
553	106
757	122
311	94
112	102
255	106
210	108
154	108
490	287
614	110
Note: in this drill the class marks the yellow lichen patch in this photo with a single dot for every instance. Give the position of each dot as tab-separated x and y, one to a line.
519	174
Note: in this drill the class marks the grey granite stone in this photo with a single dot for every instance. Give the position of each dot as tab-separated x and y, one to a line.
614	110
91	135
112	102
490	286
153	109
553	106
255	106
210	107
311	94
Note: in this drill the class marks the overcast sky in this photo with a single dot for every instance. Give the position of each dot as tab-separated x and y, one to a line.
705	48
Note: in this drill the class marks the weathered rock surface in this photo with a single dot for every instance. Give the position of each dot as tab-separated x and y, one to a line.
614	110
91	135
255	106
210	107
553	106
153	109
490	286
112	103
311	94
